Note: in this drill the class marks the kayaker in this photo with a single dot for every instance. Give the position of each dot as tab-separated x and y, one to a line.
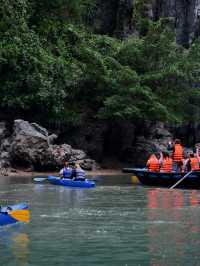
177	154
166	163
66	171
80	173
73	165
153	164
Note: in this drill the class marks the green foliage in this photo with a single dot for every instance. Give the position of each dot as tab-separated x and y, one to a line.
74	11
53	67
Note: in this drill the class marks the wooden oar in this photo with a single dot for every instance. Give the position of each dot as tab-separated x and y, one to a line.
185	176
20	215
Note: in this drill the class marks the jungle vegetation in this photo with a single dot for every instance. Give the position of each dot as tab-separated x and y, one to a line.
53	65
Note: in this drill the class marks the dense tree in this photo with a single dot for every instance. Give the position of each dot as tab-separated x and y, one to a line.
53	66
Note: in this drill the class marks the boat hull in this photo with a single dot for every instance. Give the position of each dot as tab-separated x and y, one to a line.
166	179
70	183
6	219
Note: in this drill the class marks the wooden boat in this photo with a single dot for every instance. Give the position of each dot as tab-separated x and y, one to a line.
165	179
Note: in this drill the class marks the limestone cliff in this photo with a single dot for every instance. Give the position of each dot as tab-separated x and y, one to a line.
116	17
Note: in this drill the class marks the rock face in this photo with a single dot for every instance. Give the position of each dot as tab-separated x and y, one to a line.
157	141
115	17
129	142
30	146
124	21
185	14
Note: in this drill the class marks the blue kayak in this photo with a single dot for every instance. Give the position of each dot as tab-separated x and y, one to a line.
5	218
71	183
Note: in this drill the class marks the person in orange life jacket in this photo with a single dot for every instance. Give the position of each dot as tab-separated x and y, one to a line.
153	164
197	151
66	171
197	156
177	154
184	163
80	173
193	163
166	163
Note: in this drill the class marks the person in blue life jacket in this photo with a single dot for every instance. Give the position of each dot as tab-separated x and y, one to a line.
66	171
73	165
80	173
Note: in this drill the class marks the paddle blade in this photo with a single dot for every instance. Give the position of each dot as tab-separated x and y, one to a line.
20	215
40	179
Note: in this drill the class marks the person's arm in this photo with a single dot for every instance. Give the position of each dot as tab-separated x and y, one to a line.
61	172
73	173
84	173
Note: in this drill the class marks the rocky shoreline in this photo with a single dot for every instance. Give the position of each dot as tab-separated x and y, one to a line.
30	147
100	172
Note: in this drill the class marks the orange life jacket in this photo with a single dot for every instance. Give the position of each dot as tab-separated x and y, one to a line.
194	163
153	164
178	153
166	166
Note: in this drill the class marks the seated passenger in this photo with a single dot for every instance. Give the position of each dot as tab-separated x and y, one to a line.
166	163
66	171
80	173
153	163
197	153
193	162
184	163
177	155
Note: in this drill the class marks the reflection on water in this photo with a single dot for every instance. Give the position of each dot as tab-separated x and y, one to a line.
172	199
19	247
15	243
115	224
173	227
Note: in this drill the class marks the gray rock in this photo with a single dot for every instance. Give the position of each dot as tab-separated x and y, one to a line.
5	145
185	14
40	129
51	139
77	155
3	131
88	164
4	171
24	128
31	146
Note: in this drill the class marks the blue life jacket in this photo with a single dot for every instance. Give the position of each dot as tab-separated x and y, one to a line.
80	174
67	172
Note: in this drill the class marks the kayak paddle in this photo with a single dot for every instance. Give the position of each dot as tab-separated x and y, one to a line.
39	179
20	215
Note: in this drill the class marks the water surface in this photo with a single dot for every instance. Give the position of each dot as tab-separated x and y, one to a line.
114	224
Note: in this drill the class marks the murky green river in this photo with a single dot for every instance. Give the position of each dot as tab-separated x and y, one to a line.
114	224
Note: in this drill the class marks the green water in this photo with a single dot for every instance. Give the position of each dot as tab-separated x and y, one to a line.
114	224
